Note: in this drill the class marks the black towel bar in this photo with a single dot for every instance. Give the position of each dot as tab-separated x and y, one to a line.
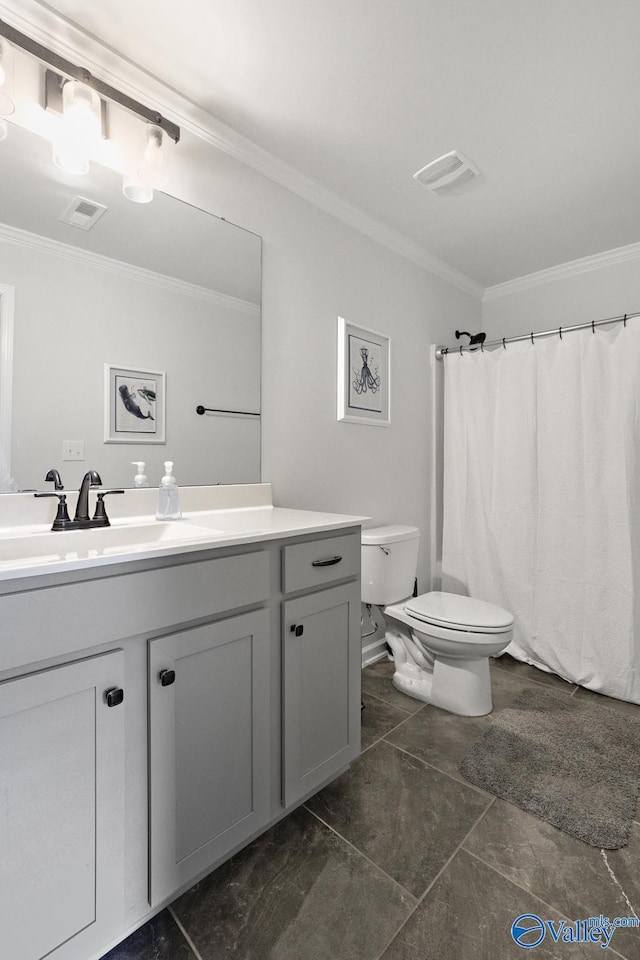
200	410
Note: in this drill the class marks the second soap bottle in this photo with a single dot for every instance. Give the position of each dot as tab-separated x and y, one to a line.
168	495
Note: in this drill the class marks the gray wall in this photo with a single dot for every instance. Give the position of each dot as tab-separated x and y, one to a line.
606	291
315	268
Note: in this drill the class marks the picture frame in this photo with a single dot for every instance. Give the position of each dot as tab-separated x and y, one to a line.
364	371
134	404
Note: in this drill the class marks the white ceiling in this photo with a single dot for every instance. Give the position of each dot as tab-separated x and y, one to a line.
542	96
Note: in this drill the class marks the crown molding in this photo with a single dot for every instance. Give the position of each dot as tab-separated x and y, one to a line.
572	268
128	270
65	38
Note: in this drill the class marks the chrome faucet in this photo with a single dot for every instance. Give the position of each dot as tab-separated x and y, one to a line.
81	520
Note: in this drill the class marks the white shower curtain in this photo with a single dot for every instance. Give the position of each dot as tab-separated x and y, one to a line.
542	498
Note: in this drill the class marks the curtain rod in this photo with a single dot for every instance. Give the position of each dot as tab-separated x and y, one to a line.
558	331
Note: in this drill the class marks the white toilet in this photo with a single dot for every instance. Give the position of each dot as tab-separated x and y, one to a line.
441	642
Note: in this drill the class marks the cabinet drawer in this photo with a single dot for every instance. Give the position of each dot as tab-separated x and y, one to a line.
79	615
316	562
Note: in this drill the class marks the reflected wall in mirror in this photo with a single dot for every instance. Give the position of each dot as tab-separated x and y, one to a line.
160	286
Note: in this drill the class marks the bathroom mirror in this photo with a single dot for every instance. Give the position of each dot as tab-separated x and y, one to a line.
162	299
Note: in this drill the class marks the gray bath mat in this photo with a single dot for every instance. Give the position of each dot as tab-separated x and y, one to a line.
574	764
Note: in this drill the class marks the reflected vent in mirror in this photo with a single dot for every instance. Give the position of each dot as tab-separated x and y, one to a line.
82	213
453	169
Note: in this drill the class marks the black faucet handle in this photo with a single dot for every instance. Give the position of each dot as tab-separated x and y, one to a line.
62	519
53	476
100	517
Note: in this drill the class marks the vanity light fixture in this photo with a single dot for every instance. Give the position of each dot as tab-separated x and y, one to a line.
151	172
135	190
7	104
79	131
155	159
83	97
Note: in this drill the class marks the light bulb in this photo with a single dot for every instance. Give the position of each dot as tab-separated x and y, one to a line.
79	130
153	169
136	191
7	106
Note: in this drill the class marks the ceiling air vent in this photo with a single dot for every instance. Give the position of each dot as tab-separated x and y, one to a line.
82	213
451	170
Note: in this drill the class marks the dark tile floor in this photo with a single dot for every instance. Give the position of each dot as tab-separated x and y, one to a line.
402	859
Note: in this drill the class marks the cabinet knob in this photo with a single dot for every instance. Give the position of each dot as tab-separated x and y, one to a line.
114	696
297	628
167	677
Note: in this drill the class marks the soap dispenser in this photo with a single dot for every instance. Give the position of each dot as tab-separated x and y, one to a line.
140	479
168	497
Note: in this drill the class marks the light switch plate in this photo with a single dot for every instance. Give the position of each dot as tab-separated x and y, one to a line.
73	449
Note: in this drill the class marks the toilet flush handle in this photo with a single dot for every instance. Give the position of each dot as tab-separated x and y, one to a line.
384	549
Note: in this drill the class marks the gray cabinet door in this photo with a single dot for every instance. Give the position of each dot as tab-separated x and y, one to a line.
61	810
209	745
321	688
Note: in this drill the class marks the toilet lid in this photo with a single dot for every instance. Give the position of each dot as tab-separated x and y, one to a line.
388	534
459	613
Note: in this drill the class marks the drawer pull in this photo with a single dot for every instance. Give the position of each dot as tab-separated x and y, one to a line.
113	696
297	628
326	563
167	677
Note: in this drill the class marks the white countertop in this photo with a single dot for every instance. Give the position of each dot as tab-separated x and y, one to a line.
35	550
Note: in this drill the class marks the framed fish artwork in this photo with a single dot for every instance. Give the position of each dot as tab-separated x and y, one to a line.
134	405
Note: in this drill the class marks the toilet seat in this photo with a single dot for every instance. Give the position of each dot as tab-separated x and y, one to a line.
455	612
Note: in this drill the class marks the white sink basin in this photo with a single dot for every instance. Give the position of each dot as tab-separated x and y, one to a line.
56	545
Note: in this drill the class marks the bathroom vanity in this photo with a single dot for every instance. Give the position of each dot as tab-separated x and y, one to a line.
163	701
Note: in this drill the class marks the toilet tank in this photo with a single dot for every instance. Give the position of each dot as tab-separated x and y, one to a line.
389	563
